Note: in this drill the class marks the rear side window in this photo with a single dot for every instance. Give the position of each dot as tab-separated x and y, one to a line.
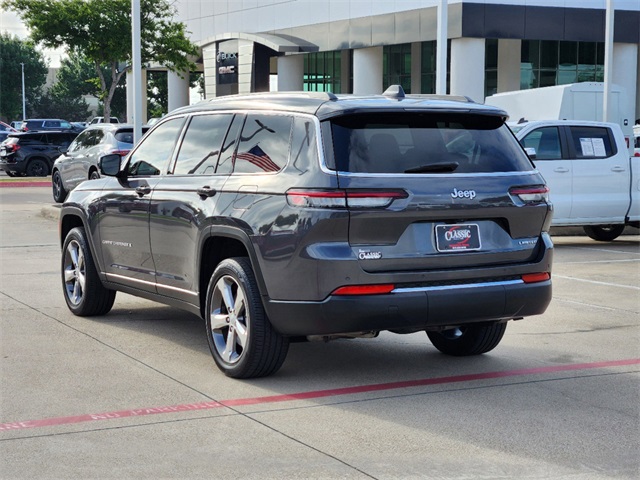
202	144
264	144
425	143
591	142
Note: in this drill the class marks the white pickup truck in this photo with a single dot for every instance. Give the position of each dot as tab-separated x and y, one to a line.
594	180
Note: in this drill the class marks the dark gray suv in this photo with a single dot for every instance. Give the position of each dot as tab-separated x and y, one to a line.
280	217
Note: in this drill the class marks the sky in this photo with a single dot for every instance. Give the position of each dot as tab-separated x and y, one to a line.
11	23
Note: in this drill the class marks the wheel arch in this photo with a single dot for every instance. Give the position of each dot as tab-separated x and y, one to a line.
72	217
217	244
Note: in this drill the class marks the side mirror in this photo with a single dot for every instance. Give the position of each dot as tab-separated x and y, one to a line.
63	149
110	165
531	152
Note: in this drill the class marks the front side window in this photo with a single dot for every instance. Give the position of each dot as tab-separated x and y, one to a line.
264	144
154	152
201	145
425	143
592	142
545	141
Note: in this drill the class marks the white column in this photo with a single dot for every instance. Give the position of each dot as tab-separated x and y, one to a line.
178	90
245	66
638	89
209	63
130	96
625	74
467	68
367	71
290	73
509	59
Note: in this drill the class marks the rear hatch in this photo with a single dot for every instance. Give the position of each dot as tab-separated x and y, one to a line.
450	190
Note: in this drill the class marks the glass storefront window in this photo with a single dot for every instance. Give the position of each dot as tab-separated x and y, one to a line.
396	66
546	63
322	72
428	67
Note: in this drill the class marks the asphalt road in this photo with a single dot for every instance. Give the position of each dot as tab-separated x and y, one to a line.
135	394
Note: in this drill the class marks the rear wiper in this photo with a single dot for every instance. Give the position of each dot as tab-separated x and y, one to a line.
441	167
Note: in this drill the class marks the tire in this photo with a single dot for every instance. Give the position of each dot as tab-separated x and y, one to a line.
37	168
241	339
59	192
473	339
603	233
94	175
83	291
11	174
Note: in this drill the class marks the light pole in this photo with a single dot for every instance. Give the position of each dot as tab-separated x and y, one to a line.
24	101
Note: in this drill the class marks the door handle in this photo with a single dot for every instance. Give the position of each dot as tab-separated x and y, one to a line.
206	191
561	170
143	190
617	168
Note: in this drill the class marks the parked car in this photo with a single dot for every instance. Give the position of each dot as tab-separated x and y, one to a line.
636	140
5	130
587	167
16	124
95	120
80	161
39	124
32	153
309	215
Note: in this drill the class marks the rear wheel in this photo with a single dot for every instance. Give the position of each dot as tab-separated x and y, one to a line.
241	339
37	168
94	175
473	339
59	192
603	233
83	291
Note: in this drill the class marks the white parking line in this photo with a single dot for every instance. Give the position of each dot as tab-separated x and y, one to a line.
632	287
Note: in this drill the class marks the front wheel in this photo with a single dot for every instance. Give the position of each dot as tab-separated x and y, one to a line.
241	339
473	339
83	291
603	233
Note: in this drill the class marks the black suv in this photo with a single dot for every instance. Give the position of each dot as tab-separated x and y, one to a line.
33	153
279	217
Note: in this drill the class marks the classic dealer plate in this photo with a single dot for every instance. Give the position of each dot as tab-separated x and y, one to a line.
457	238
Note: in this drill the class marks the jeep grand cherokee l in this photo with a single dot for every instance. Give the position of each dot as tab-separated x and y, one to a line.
283	216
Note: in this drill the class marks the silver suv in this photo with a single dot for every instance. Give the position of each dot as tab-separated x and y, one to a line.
279	217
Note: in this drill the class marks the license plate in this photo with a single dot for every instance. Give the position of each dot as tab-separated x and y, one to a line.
457	238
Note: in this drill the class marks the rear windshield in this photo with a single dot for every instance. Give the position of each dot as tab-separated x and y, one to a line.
424	143
124	136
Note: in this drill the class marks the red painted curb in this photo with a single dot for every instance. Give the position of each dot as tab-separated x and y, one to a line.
140	412
24	184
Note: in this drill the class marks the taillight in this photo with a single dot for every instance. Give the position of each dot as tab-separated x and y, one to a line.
122	153
364	289
311	198
536	277
536	194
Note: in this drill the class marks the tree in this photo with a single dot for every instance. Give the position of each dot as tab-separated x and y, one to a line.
13	52
100	30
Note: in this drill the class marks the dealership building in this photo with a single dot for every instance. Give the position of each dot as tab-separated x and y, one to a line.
363	46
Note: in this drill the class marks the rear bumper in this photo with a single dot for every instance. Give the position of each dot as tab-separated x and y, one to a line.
11	166
412	308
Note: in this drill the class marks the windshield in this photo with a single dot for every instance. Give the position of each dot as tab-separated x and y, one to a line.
425	143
